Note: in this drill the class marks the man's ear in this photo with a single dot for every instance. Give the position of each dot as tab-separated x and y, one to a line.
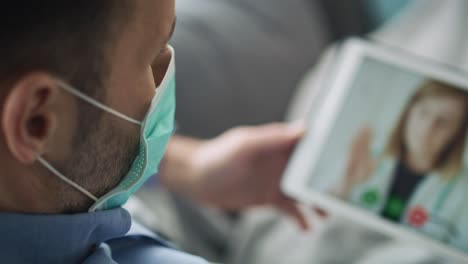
28	117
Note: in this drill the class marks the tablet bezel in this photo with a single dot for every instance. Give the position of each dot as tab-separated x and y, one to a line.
295	181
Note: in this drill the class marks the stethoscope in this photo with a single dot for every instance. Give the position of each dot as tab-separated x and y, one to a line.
418	216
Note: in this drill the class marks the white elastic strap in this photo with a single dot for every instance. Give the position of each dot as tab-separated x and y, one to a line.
96	103
65	179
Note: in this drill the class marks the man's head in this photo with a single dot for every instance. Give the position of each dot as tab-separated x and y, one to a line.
106	49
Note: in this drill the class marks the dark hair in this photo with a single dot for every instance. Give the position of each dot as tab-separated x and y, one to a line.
70	39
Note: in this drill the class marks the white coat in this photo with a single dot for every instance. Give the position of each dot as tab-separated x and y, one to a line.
438	207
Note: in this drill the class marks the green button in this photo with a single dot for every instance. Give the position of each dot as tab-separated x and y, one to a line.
395	207
370	197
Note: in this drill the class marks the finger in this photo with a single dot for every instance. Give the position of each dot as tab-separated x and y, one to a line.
293	211
274	136
320	212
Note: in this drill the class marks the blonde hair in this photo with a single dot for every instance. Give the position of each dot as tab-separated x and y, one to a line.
450	160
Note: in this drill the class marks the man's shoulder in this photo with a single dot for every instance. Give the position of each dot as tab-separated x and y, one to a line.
140	246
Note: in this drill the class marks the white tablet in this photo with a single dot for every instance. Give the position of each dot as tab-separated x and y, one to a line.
387	148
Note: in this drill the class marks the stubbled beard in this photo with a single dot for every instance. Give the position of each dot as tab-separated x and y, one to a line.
101	157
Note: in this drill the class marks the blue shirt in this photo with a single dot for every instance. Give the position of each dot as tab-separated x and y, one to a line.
101	237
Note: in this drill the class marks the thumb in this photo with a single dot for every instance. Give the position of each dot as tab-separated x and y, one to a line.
275	136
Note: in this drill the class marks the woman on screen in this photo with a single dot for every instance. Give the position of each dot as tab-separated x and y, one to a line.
420	177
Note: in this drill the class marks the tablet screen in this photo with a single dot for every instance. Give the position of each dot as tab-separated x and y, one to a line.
397	149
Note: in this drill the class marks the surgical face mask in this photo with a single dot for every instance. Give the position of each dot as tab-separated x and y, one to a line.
156	130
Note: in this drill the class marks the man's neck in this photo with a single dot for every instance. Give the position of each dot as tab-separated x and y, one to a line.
22	192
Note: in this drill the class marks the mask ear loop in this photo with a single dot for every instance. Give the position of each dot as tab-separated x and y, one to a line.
65	179
96	103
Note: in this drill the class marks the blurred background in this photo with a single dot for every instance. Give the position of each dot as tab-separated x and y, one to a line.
247	62
240	61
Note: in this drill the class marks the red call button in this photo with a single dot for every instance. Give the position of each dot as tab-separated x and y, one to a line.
418	217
